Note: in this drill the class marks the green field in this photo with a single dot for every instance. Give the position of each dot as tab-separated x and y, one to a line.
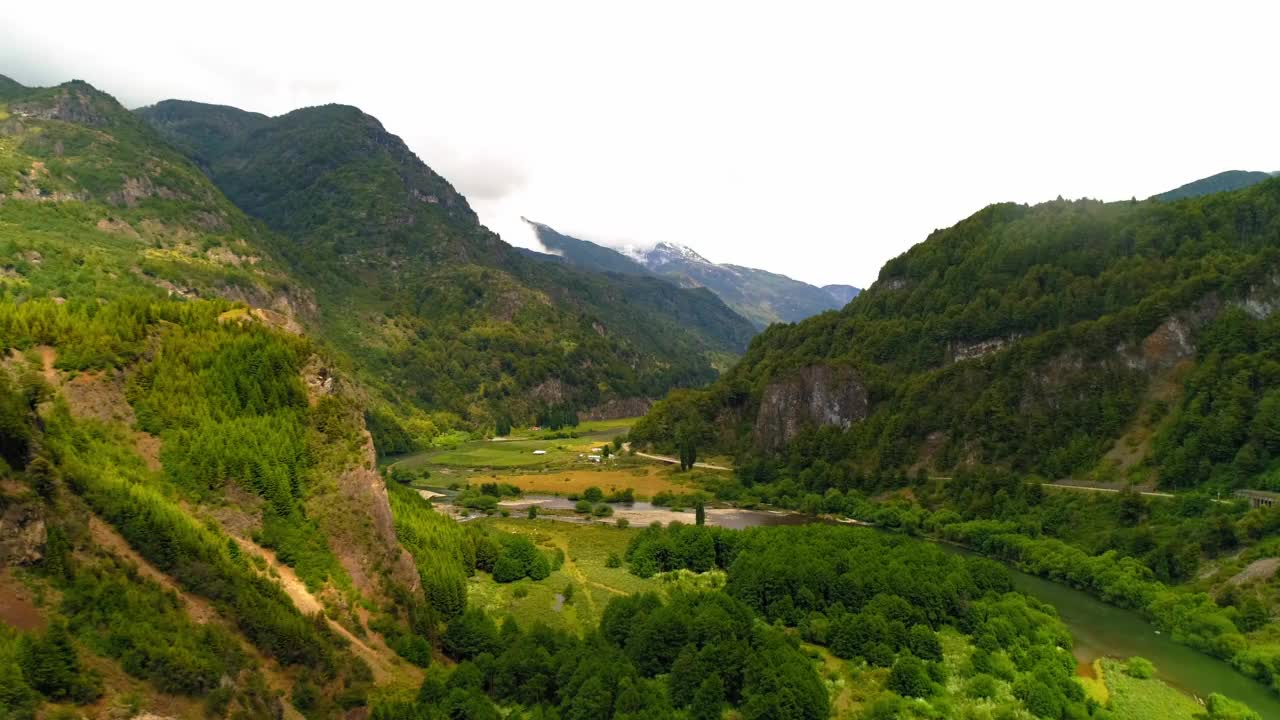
599	429
518	453
586	548
1137	699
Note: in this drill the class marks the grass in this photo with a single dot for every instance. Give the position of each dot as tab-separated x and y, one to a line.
1093	678
518	452
605	429
501	454
646	480
1135	699
586	548
483	453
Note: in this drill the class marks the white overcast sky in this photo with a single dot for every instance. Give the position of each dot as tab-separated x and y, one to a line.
813	139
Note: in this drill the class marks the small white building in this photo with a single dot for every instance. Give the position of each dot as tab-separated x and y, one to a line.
539	452
594	458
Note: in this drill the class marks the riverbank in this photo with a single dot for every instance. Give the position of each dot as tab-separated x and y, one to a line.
1100	630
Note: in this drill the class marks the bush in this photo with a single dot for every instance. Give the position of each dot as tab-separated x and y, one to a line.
910	677
470	634
1223	708
1139	667
508	569
613	561
982	686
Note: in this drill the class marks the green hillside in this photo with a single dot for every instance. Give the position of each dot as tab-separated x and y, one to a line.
1032	338
436	311
170	450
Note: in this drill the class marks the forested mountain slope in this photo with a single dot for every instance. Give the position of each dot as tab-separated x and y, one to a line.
172	445
1130	339
435	309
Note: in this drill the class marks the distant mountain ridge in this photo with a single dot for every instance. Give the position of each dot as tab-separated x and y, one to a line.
844	294
1222	182
758	295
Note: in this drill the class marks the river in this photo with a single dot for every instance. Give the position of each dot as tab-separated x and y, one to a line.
1099	629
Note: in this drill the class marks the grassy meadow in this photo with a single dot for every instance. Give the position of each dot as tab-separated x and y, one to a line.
562	469
1136	698
586	549
517	450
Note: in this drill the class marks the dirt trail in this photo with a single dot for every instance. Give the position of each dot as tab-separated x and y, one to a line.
198	609
106	537
571	569
676	461
381	659
48	356
1089	488
17	603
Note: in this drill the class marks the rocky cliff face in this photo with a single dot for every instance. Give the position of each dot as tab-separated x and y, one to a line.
23	534
816	396
619	408
368	547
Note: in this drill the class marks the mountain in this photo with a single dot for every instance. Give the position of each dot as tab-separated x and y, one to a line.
1085	390
758	295
584	254
1066	339
844	294
436	311
194	524
1222	182
171	441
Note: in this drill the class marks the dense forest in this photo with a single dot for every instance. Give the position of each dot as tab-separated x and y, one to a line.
957	635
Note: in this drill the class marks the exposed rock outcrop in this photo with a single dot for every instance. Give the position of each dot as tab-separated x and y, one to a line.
618	408
550	392
1168	345
960	351
369	545
23	534
816	396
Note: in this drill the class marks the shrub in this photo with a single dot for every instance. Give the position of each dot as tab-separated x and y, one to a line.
909	677
508	569
1223	708
1139	667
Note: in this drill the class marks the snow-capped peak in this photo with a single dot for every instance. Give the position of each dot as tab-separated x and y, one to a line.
664	253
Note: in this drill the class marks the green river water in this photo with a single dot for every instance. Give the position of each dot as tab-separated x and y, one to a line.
1102	630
